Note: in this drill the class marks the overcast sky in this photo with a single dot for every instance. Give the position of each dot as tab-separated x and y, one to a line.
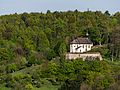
20	6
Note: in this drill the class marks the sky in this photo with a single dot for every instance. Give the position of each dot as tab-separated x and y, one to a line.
21	6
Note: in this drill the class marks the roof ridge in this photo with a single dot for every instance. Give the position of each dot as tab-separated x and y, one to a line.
82	40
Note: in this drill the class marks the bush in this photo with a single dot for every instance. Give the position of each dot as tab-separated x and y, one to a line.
11	68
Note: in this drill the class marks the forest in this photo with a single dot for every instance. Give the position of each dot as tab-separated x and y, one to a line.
33	47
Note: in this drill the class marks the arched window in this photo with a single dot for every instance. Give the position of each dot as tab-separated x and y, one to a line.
80	51
83	46
88	46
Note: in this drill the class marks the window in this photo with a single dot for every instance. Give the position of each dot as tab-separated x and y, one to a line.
89	46
83	46
80	50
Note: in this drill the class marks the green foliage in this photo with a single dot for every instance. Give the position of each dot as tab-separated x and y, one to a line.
51	54
4	88
11	68
62	49
33	48
104	50
53	68
29	87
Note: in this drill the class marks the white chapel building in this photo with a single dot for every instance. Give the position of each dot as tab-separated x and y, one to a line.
80	45
79	49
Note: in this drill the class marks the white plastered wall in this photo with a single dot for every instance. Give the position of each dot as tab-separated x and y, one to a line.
83	48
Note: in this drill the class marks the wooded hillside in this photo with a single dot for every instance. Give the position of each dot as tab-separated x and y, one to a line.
32	48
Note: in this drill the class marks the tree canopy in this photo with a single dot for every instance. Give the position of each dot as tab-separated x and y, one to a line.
33	46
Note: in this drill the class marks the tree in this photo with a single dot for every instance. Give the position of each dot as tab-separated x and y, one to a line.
62	49
51	54
29	87
107	13
115	44
11	68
